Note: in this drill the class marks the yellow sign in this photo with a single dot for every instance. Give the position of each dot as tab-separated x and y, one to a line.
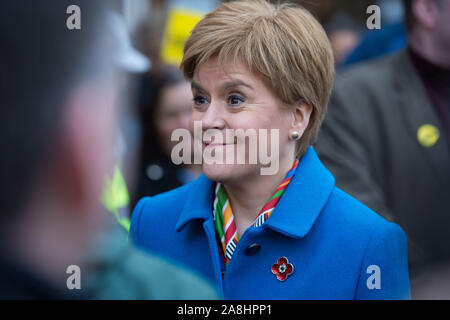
428	135
180	23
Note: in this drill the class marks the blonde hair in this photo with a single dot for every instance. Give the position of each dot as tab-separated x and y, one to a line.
282	43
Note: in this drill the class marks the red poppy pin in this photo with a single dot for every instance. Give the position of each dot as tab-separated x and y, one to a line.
282	269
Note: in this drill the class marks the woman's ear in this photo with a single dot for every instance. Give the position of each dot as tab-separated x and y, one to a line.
301	115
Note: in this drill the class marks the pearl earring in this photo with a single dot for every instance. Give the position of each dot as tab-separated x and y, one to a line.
294	135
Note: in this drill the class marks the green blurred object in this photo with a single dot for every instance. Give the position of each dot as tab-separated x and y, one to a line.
116	270
116	198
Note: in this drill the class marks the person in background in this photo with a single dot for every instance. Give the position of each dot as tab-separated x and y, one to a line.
166	105
386	136
381	42
344	34
284	234
58	122
376	44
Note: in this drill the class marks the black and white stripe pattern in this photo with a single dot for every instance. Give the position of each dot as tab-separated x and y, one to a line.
259	221
231	246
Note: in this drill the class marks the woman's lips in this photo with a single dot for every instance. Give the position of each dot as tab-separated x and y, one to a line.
214	145
217	144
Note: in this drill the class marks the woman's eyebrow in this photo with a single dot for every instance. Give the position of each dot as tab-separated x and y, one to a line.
196	86
226	86
235	83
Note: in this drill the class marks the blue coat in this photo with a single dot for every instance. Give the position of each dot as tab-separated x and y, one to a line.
339	248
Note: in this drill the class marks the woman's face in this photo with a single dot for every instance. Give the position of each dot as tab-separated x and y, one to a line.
238	99
174	112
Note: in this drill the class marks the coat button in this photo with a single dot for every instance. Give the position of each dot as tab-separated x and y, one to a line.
252	249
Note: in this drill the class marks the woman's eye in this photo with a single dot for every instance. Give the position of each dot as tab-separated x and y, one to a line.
199	100
235	100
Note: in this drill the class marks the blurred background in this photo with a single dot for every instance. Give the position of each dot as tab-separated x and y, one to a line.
154	23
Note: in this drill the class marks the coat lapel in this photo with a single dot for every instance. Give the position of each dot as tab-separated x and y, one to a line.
418	110
198	202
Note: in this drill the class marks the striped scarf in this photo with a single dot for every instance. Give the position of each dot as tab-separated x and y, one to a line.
225	224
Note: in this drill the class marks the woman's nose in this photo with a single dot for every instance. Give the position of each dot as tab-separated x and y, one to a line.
214	116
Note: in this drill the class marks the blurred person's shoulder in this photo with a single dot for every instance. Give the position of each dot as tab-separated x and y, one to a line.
169	279
119	270
370	90
373	75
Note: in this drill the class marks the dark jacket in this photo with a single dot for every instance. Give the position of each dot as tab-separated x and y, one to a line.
370	141
21	282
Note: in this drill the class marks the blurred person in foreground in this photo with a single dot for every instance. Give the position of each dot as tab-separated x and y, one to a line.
284	234
386	136
58	123
166	105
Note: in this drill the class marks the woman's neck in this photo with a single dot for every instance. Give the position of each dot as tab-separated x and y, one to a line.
248	196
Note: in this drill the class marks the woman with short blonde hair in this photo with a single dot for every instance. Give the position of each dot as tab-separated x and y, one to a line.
290	234
284	45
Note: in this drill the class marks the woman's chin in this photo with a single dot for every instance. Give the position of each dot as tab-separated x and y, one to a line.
228	172
218	172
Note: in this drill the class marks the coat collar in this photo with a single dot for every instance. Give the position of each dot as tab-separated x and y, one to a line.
295	214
